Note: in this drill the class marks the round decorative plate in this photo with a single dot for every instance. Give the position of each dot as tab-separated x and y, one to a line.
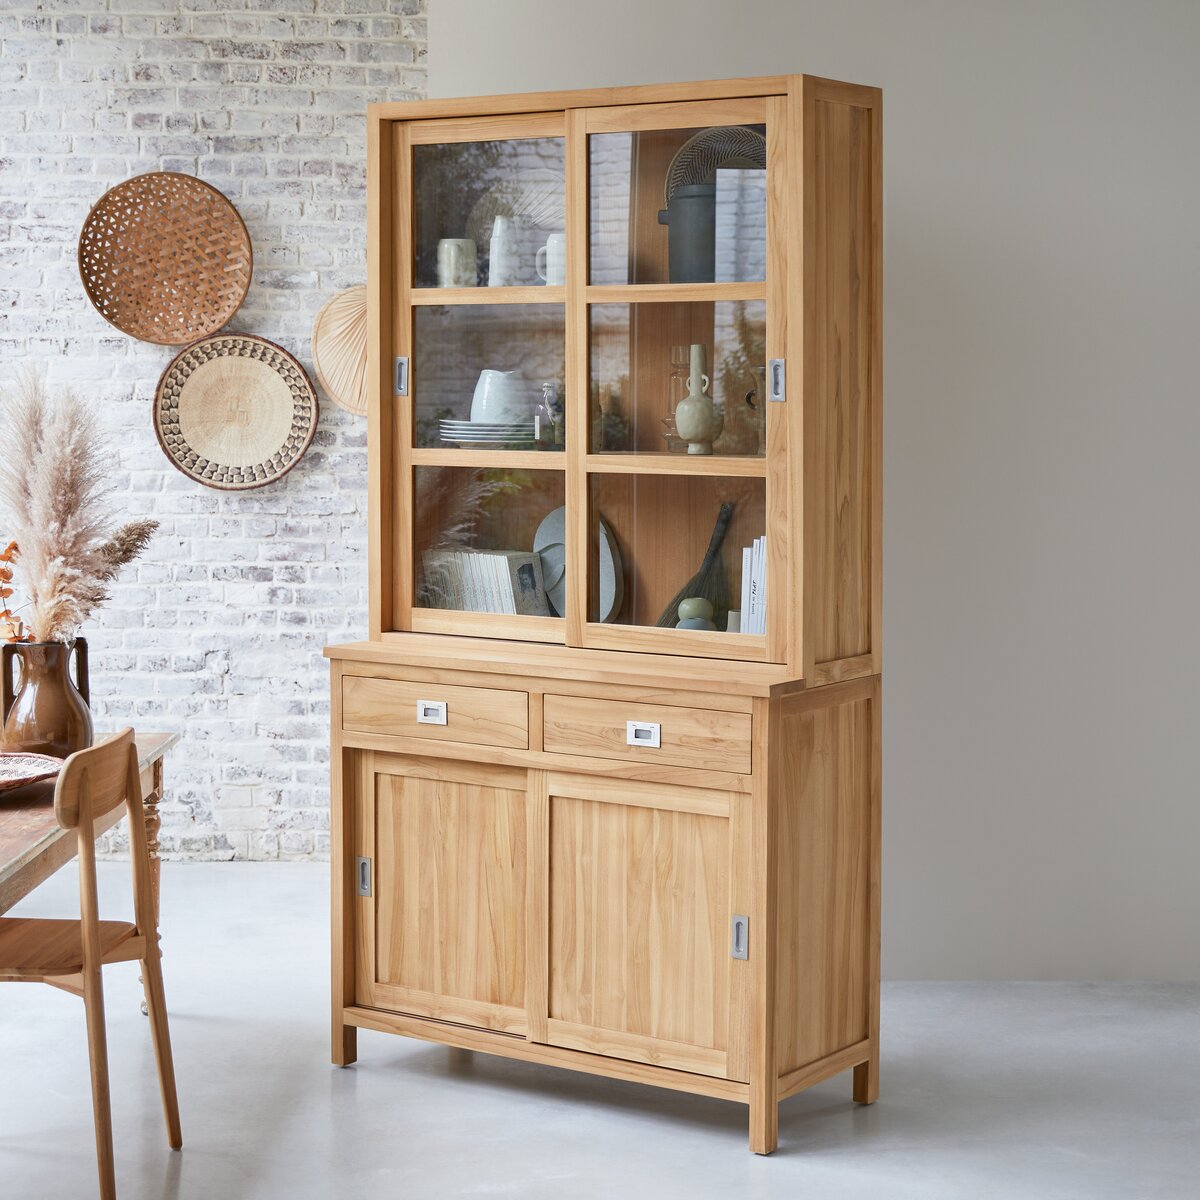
234	411
339	349
550	544
165	258
18	769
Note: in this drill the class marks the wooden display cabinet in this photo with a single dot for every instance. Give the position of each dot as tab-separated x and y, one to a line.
563	832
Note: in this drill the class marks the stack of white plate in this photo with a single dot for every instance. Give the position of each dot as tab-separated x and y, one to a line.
489	435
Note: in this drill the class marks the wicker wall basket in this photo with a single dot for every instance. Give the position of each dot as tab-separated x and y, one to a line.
235	412
339	349
165	258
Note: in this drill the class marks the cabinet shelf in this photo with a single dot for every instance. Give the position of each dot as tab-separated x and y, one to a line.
488	295
740	466
505	460
676	293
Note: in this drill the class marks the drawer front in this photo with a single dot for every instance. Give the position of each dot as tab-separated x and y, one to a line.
636	732
435	711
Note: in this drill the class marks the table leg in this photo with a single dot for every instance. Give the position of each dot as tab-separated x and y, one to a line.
153	825
150	804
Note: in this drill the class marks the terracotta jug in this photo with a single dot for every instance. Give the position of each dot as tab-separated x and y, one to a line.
45	713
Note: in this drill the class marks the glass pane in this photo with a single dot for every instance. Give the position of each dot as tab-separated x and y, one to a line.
484	211
660	539
488	376
490	540
641	357
679	205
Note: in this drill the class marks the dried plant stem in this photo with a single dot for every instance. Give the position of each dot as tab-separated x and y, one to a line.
54	484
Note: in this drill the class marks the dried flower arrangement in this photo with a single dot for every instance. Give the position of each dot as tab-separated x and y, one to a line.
54	486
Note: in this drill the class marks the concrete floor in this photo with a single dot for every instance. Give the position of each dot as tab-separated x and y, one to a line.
990	1091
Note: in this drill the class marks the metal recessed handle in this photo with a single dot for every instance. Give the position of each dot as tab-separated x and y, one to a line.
739	939
643	733
401	384
431	712
362	871
777	379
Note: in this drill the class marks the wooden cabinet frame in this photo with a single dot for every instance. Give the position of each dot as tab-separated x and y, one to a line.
775	816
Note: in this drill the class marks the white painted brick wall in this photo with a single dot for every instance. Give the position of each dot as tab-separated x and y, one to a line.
218	632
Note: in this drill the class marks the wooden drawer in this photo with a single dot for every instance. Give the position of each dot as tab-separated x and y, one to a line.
686	737
475	716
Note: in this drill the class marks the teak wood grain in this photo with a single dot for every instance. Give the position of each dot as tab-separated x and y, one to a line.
539	888
690	737
479	716
449	903
638	910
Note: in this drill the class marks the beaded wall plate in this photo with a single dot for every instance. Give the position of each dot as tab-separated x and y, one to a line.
234	411
165	258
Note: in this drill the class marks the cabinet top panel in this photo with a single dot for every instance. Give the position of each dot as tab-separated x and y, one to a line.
529	102
567	662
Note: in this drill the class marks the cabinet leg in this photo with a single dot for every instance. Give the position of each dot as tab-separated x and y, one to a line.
764	1124
866	1080
344	1050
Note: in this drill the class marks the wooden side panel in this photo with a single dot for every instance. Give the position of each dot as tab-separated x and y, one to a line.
842	378
826	834
638	937
450	897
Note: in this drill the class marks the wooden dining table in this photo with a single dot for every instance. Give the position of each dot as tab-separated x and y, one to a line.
33	845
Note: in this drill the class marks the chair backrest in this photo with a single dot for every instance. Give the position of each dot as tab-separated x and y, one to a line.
91	784
97	777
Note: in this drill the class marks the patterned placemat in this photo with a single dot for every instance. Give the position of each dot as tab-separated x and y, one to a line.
18	768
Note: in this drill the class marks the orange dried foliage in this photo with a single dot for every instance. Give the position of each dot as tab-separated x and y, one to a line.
12	628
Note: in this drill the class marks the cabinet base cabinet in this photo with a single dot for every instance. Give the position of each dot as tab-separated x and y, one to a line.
563	908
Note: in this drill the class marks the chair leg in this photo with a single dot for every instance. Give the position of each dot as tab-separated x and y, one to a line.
156	1003
93	1002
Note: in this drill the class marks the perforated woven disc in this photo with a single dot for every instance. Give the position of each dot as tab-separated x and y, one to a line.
707	151
235	411
165	258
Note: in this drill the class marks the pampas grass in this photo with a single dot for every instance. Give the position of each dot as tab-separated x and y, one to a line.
54	485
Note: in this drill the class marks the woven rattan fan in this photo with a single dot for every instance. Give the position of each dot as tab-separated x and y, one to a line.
535	197
235	412
339	349
165	258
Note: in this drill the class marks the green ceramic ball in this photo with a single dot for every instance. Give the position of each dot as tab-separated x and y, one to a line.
694	623
695	607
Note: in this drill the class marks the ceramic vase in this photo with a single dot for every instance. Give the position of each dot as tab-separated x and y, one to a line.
44	711
696	417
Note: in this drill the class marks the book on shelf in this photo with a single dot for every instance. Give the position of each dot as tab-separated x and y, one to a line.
754	586
489	581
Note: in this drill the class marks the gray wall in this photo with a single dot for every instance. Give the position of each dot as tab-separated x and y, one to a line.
1042	421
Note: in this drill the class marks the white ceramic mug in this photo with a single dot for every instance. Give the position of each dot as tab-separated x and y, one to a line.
551	261
502	254
456	263
500	396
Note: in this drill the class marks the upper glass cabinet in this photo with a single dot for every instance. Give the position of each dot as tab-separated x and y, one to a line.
678	205
489	214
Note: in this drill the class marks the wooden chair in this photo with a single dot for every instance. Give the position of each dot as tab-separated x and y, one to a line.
69	954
